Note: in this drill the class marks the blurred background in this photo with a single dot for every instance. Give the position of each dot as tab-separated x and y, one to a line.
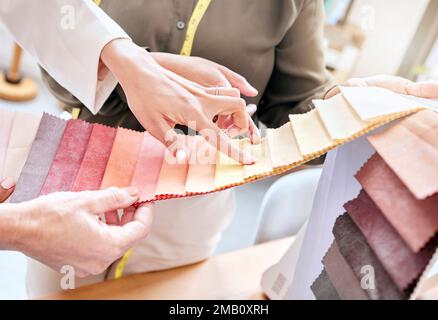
362	38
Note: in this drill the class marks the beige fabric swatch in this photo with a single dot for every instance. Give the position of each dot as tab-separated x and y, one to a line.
261	152
311	135
372	103
228	171
340	120
283	146
23	132
414	156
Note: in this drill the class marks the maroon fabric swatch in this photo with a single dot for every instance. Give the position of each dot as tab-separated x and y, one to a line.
40	158
401	263
95	159
415	220
358	254
68	158
323	288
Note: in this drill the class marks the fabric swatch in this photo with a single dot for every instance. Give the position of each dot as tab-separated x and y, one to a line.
68	158
40	159
341	276
415	220
263	164
228	171
283	146
374	103
323	288
147	169
358	254
401	263
414	156
311	135
20	143
340	120
6	120
202	168
95	159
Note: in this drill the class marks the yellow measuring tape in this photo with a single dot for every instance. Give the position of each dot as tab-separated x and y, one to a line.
186	50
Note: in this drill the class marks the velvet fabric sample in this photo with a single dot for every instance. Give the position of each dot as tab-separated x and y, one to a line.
95	159
323	288
401	263
68	158
415	220
361	259
147	169
341	276
40	159
410	148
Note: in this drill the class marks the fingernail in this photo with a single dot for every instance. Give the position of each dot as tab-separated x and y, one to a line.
249	159
233	130
8	183
132	191
181	156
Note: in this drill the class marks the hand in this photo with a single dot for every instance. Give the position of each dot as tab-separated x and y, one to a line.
64	229
428	90
160	99
214	77
7	186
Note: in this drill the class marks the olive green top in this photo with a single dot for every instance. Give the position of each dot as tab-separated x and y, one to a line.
276	44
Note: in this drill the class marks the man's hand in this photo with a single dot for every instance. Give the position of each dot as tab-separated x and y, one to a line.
64	228
161	99
428	90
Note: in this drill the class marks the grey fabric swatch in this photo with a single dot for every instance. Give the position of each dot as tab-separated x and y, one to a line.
323	288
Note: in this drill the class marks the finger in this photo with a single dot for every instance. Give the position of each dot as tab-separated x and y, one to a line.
236	107
428	90
108	200
239	82
7	186
137	229
224	122
220	91
332	92
251	109
254	132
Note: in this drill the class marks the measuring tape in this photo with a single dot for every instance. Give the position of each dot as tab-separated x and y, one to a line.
186	50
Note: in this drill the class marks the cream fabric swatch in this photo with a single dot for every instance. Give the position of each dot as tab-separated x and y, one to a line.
23	132
228	171
372	103
283	146
340	120
6	120
311	135
261	152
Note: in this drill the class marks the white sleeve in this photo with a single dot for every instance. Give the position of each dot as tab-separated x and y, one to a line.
66	37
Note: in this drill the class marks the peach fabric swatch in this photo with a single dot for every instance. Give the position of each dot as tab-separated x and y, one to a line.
311	135
228	171
202	168
414	156
123	159
372	103
172	179
415	220
283	146
6	120
22	135
68	158
147	169
340	120
95	160
263	165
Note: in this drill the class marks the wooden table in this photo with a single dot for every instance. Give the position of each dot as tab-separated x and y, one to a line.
234	275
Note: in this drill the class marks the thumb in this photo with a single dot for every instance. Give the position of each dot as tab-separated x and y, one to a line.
239	82
7	186
109	199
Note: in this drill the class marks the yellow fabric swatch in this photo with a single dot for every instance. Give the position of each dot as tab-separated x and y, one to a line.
311	135
372	103
340	120
283	146
261	152
228	171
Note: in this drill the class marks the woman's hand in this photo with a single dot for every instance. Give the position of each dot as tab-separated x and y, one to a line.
7	186
64	228
160	99
428	90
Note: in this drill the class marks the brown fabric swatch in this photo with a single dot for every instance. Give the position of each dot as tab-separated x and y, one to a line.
341	276
358	254
401	263
323	288
415	220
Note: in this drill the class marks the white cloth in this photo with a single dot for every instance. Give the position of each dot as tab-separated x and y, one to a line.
184	231
66	37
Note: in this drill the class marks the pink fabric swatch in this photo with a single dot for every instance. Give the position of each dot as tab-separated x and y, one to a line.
95	160
147	170
68	158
